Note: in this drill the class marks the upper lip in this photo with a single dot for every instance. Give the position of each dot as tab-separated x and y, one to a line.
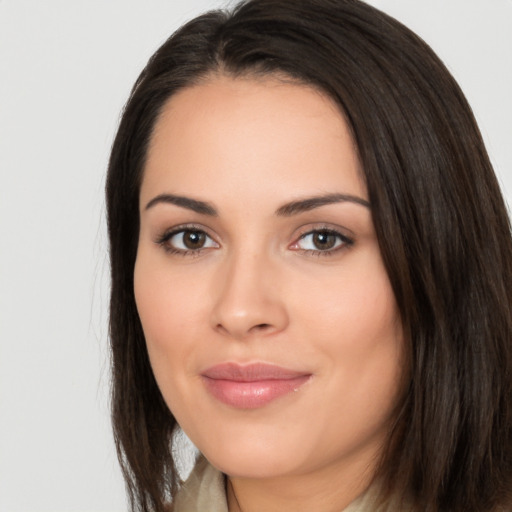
251	372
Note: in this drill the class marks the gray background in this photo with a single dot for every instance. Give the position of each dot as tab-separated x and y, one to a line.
66	68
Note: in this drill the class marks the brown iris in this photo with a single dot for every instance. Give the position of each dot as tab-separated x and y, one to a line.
324	240
194	239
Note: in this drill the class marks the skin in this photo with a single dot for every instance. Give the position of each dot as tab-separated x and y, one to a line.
260	290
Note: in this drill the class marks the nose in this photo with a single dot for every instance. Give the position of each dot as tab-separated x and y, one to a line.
247	299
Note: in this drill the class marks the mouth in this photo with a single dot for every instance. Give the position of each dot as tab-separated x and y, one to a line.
251	386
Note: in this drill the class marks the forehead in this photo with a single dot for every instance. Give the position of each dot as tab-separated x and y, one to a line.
242	134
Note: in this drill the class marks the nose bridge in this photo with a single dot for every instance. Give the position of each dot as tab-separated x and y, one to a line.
248	297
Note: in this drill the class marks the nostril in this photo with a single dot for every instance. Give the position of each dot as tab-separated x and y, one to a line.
261	327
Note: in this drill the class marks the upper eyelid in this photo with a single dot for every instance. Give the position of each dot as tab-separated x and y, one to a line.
323	226
169	232
346	236
346	239
163	240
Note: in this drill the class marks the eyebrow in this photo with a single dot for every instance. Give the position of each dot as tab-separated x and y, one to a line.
310	203
195	205
287	210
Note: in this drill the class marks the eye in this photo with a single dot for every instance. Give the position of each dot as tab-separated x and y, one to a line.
186	241
325	241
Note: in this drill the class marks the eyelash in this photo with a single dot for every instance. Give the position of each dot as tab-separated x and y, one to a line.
163	240
345	242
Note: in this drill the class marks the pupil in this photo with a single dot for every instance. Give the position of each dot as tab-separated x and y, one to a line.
194	239
324	240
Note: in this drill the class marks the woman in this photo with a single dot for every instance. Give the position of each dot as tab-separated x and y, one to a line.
311	271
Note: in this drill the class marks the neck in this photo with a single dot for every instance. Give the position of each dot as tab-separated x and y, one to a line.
323	491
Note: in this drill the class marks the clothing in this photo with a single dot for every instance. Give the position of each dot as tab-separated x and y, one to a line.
205	491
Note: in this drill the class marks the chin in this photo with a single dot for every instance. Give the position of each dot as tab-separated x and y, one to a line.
256	454
252	464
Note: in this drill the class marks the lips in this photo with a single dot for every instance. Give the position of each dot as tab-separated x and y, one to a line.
251	386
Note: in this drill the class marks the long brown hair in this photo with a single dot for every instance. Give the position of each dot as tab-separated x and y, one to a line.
440	219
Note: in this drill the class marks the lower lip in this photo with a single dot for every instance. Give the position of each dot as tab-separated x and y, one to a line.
251	395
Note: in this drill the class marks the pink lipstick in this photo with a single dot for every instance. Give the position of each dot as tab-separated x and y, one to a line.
251	386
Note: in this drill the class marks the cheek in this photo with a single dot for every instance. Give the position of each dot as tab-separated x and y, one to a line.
167	301
168	309
168	305
355	305
355	325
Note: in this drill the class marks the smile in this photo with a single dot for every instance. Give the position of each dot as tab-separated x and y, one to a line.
251	386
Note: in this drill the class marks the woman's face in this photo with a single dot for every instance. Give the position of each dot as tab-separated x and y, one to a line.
270	321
